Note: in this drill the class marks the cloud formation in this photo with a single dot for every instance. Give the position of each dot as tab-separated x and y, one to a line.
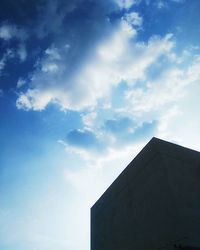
8	54
80	73
82	139
151	72
11	31
126	4
118	58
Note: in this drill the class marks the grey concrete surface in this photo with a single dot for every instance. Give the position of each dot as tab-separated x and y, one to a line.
153	204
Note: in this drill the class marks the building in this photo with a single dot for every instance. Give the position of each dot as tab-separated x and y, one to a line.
153	204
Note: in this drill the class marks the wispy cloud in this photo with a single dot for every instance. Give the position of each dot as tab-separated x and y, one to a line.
21	82
126	4
34	99
11	31
22	53
8	54
152	72
133	18
83	139
118	58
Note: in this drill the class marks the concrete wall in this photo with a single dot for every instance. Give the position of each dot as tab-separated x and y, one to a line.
153	204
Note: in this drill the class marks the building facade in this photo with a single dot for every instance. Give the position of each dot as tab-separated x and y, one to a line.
153	204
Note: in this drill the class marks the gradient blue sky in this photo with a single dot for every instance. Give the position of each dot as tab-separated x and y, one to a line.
84	84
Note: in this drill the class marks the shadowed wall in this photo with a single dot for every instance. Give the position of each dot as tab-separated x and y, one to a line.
153	204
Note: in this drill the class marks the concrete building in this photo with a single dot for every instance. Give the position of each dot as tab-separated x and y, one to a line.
153	204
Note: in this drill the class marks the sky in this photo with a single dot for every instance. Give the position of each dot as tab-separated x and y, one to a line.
84	85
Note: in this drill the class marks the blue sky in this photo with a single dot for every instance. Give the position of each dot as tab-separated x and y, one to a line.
84	85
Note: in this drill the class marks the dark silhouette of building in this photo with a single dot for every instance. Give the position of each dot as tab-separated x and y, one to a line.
153	204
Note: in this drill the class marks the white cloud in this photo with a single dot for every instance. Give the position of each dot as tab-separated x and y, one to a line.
22	53
118	58
9	31
6	32
165	120
113	49
89	118
21	82
193	73
161	4
1	92
34	99
183	121
126	4
53	53
51	63
93	81
6	56
168	88
50	67
133	18
156	95
2	63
